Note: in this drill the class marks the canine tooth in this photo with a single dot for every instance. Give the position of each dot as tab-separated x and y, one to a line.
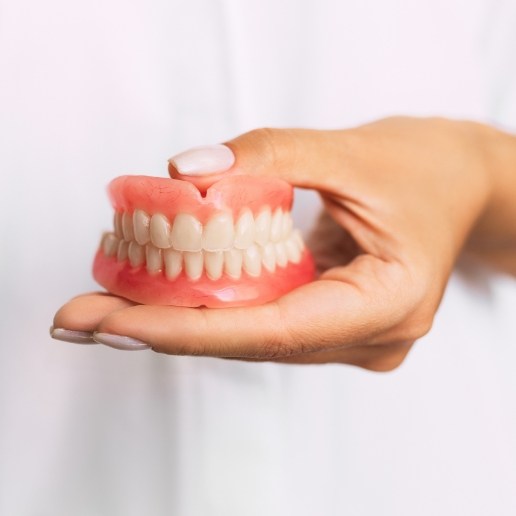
286	225
127	226
117	222
193	264
293	251
218	233
276	225
213	263
121	253
109	244
233	263
186	233
252	261
153	259
244	230
141	223
160	231
281	254
263	226
296	236
136	254
173	263
269	257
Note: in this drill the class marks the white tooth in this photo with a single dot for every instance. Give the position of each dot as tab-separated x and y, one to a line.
186	233
293	251
153	259
281	254
213	262
193	264
286	225
117	222
141	223
276	224
136	254
121	253
244	230
269	257
233	263
160	231
218	233
173	263
263	226
109	244
296	235
127	226
252	261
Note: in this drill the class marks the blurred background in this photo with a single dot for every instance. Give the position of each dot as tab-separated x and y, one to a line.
91	90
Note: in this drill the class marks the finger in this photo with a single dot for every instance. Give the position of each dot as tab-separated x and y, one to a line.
320	315
84	313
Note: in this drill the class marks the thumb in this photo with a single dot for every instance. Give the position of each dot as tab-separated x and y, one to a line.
302	157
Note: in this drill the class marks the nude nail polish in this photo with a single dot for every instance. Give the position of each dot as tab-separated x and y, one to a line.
74	336
120	342
205	160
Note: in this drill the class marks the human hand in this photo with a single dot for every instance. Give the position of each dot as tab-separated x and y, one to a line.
401	198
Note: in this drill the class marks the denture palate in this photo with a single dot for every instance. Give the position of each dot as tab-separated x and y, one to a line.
221	246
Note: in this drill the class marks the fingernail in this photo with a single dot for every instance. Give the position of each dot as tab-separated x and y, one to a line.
205	160
120	342
77	337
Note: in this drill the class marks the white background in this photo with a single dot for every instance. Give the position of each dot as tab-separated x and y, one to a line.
90	90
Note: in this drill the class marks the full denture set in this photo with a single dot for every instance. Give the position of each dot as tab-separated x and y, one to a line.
171	245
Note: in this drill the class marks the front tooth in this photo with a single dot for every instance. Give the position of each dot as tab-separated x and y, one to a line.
293	251
213	262
160	231
252	261
233	263
286	225
117	222
263	226
173	263
281	254
269	257
153	259
121	253
136	254
218	233
276	225
127	226
193	264
141	223
186	233
109	244
244	230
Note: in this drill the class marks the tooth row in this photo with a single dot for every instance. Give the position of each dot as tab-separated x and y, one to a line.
188	234
214	263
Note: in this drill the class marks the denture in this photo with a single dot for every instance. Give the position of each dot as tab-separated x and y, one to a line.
233	245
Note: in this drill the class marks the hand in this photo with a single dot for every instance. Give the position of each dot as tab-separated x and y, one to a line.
402	196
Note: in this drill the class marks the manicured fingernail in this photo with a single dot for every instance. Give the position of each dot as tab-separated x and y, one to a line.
119	342
77	337
205	160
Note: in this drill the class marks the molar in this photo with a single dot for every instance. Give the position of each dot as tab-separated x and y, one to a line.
218	233
214	262
276	225
244	230
186	233
117	223
263	226
286	225
193	264
141	223
233	263
293	250
110	244
252	261
173	263
160	231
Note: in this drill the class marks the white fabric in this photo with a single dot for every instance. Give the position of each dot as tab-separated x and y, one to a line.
90	90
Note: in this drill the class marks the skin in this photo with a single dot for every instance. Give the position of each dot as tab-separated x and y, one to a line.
404	198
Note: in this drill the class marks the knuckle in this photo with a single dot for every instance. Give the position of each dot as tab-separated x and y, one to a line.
270	143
